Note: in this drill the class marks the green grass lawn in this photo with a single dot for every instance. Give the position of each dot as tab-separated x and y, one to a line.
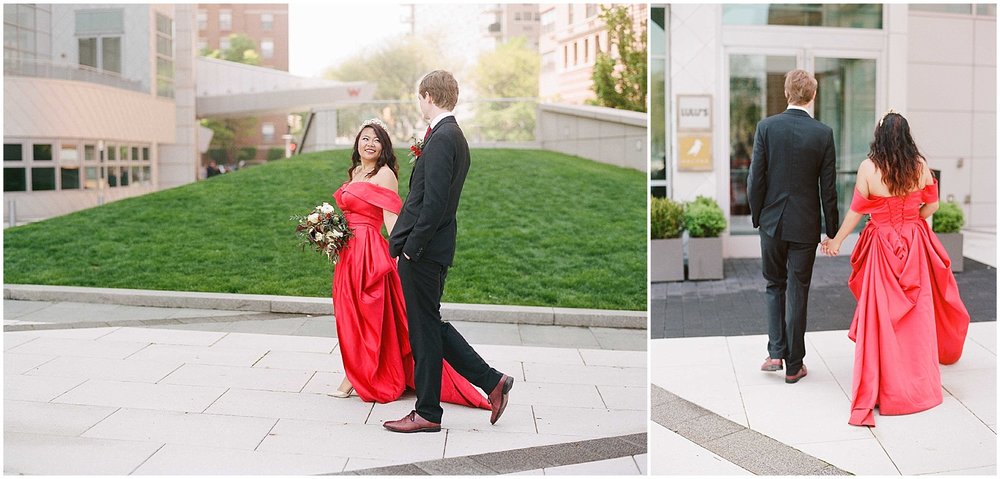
535	228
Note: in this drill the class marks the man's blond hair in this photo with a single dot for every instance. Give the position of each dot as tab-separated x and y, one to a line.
442	87
800	87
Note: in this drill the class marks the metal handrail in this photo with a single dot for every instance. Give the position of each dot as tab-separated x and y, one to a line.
66	71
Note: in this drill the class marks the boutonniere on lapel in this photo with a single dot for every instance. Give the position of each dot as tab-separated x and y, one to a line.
416	148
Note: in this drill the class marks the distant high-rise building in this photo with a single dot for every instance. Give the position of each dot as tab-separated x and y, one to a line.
512	20
267	25
571	37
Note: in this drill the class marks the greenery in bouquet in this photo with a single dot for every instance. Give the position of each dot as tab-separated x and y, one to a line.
325	230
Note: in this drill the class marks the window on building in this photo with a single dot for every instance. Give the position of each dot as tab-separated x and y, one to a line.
69	177
267	48
569	13
27	36
586	50
99	38
805	15
41	152
565	56
267	130
89	153
12	152
43	179
517	16
225	20
548	61
597	44
202	20
224	43
14	179
111	153
101	53
267	22
958	8
591	10
123	153
986	9
88	52
91	181
576	53
548	21
164	56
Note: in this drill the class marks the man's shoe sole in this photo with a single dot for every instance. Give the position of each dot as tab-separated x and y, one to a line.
424	429
772	368
794	380
507	386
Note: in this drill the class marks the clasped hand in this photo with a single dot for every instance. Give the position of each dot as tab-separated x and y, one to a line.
830	247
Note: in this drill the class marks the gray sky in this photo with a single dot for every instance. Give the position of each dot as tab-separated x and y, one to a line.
324	34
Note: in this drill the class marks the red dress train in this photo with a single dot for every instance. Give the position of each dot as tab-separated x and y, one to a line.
369	308
909	315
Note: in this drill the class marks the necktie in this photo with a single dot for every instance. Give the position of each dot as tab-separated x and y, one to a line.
427	133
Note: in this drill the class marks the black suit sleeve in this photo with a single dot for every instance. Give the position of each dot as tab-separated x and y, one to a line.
828	187
439	157
757	179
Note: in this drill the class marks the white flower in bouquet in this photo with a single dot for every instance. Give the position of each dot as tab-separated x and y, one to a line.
313	218
318	236
336	233
326	208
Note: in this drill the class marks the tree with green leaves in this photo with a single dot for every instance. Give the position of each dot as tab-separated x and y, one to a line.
510	71
231	136
621	82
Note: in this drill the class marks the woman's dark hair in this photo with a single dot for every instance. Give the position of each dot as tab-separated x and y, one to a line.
386	158
896	155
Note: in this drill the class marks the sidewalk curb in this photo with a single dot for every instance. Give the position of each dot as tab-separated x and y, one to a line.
484	313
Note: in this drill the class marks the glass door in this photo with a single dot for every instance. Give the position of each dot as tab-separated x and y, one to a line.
845	101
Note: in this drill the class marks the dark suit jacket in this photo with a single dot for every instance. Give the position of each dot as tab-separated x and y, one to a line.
793	169
426	227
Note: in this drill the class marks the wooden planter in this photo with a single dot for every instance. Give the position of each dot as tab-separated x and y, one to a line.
952	243
666	260
704	258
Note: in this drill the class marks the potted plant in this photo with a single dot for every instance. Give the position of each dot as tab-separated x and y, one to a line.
704	221
948	221
666	224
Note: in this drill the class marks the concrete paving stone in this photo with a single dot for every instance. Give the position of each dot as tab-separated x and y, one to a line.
624	397
319	327
161	336
977	471
302	361
201	355
586	421
621	466
976	390
130	370
712	387
842	370
37	388
40	454
457	466
167	397
356	463
707	428
642	462
960	440
762	455
659	396
323	383
780	410
398	470
984	334
514	460
280	327
315	407
274	342
486	440
516	418
514	369
696	352
621	339
547	355
70	311
596	375
80	348
601	449
183	428
239	377
490	313
13	309
861	457
616	358
823	343
352	440
675	413
748	352
489	333
531	472
175	459
974	356
673	455
301	305
51	419
212	326
552	394
20	363
559	336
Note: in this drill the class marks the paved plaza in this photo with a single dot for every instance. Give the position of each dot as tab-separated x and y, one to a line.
200	391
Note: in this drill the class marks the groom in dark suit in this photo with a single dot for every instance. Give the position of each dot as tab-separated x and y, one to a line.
423	240
793	170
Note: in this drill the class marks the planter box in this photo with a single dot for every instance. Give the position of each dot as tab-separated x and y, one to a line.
666	260
952	243
704	258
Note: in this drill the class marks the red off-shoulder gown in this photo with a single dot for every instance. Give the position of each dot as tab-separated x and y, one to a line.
909	315
369	308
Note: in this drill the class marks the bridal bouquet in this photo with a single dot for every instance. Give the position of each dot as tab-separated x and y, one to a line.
325	229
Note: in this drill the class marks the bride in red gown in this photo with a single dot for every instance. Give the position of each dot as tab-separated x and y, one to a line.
367	298
909	315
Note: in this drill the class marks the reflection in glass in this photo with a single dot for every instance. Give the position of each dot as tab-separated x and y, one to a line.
91	181
12	152
756	91
42	152
14	179
805	15
70	177
43	179
657	116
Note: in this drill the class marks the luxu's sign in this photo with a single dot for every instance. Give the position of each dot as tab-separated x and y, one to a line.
694	132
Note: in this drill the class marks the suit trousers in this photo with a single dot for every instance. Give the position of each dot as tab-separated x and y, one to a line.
787	267
433	339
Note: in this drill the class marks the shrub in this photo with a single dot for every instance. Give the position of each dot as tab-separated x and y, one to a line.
275	154
666	218
704	218
246	154
948	218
